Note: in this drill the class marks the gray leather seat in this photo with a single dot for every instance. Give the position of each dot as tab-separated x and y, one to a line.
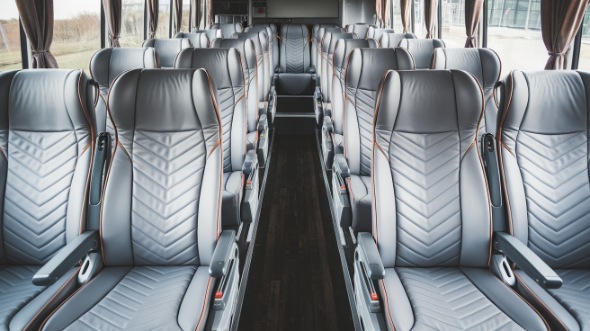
160	228
225	69
247	51
294	49
365	70
213	34
360	29
376	33
332	138
316	40
392	40
328	46
543	134
198	39
228	29
106	65
46	141
421	50
485	65
167	49
320	62
271	31
431	243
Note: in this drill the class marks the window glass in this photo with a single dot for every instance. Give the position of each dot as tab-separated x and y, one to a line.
397	17
76	32
453	23
186	6
419	27
584	62
514	32
133	12
164	20
10	56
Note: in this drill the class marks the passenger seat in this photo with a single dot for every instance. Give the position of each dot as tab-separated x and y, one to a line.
421	50
376	33
213	34
197	39
295	76
228	29
167	263
360	29
392	40
167	49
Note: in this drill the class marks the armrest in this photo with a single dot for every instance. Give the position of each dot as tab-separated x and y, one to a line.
369	254
327	109
527	260
311	69
222	254
328	126
250	163
66	258
262	123
341	166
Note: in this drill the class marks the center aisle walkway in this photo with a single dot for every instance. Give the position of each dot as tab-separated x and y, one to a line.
296	280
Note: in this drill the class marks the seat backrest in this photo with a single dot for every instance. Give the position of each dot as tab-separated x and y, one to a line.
485	65
316	40
330	40
247	51
360	29
431	206
343	49
376	33
421	50
225	69
271	31
392	40
46	141
106	65
261	38
321	57
213	34
197	39
162	196
228	29
294	53
167	49
365	70
543	139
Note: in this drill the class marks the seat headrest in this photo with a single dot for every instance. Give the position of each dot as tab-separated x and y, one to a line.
197	39
213	34
335	38
547	102
366	67
483	63
392	40
360	29
224	65
376	33
108	63
246	47
345	46
454	102
318	27
421	50
294	31
46	100
168	49
259	37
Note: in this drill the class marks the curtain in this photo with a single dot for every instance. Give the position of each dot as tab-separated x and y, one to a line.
195	19
379	12
208	11
177	16
406	6
112	11
560	21
153	8
472	15
430	15
387	14
37	20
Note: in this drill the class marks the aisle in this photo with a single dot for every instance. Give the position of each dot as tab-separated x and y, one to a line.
296	280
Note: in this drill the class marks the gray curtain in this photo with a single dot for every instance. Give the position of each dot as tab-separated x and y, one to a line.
195	17
177	16
208	10
112	11
406	6
153	8
472	14
430	16
560	21
37	20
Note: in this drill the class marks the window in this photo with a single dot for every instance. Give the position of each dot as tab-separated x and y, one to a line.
419	24
398	27
164	20
186	6
10	55
453	23
514	32
584	62
133	12
76	32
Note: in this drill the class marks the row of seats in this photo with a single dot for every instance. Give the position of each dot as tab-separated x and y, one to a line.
467	235
155	255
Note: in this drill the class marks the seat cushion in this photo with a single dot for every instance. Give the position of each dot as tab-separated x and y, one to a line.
360	202
22	303
138	298
453	299
231	198
567	307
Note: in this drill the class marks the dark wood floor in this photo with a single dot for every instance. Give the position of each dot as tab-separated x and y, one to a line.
296	280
